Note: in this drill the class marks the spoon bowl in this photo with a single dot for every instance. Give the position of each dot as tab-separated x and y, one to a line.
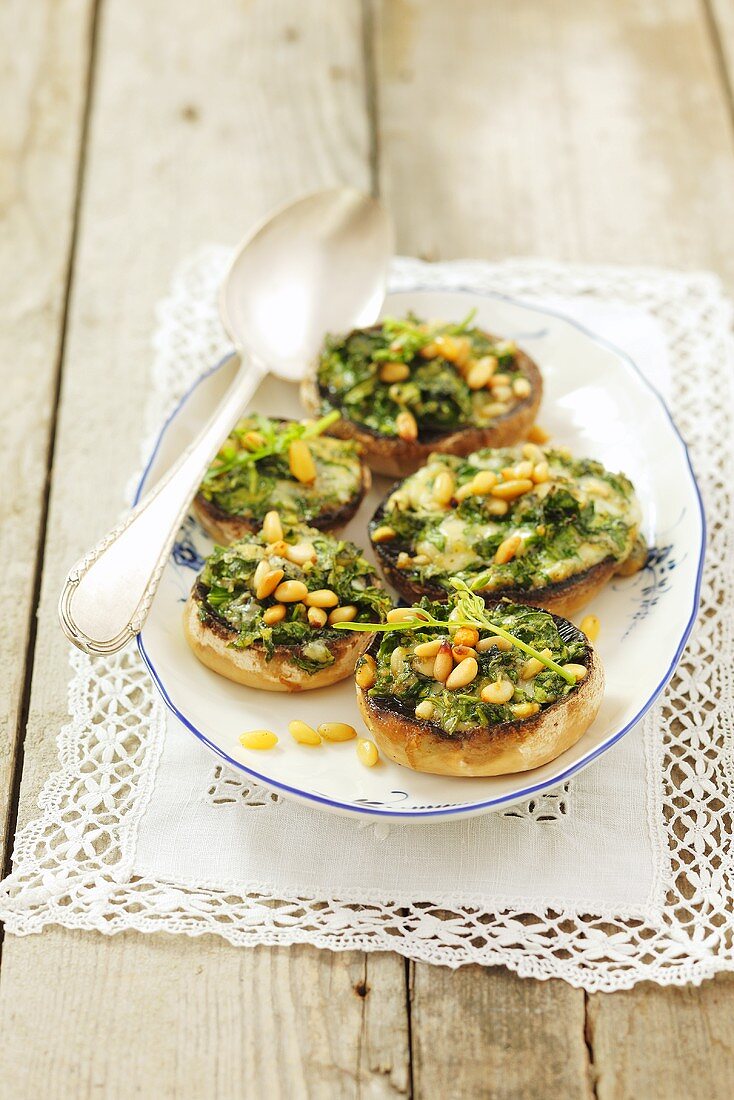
318	264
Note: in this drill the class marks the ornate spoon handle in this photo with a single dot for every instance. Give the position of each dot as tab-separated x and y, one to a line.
107	595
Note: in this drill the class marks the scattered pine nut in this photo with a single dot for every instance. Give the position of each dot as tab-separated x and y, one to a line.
501	691
366	672
259	739
367	752
291	592
346	614
337	731
274	614
590	626
407	426
383	534
463	674
272	528
268	585
321	597
301	462
303	733
425	709
538	434
316	617
507	549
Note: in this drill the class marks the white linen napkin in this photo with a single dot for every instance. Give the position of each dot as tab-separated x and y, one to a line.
582	883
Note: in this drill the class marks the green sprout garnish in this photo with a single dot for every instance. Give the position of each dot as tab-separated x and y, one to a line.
277	440
472	612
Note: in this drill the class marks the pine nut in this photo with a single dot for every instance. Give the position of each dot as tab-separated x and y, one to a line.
478	375
525	710
428	649
501	691
443	487
495	408
447	347
495	507
277	549
263	568
540	473
579	671
367	752
538	434
507	549
274	614
430	350
366	673
269	584
521	387
502	393
499	380
397	660
463	674
533	666
509	490
466	635
421	559
346	614
291	591
532	452
425	709
462	352
401	614
483	482
253	440
460	652
303	733
383	534
485	644
403	561
322	597
272	528
301	552
301	461
406	425
337	731
524	470
590	626
464	492
394	372
258	739
423	665
316	617
444	663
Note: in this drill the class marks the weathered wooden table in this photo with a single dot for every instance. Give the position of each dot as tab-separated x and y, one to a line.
131	132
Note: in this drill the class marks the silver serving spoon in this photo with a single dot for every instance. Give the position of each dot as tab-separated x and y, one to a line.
314	266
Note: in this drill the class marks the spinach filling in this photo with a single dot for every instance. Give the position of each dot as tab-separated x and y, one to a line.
579	516
242	484
403	685
437	358
227	593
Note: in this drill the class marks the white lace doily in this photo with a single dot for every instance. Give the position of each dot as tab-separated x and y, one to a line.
75	864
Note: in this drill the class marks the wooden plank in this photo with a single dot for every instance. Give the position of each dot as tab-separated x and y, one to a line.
562	130
43	90
205	114
661	1044
575	132
487	1033
169	1017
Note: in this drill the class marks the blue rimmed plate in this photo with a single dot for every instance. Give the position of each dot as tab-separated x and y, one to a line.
596	402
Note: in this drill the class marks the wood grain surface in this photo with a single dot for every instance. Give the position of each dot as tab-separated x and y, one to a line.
598	132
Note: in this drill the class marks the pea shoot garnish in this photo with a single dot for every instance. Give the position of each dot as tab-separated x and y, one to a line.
266	439
469	610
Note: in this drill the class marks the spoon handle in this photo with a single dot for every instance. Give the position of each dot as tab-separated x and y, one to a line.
107	595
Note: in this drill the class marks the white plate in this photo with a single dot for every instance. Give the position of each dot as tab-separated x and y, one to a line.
596	402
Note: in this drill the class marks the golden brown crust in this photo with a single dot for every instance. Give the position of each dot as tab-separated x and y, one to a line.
209	639
481	751
397	457
225	528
